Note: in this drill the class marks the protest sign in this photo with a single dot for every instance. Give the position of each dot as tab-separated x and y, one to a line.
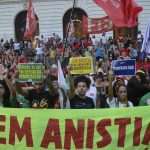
81	65
113	129
124	67
30	72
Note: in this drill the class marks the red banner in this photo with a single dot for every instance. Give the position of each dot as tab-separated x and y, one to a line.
123	13
145	66
30	22
96	25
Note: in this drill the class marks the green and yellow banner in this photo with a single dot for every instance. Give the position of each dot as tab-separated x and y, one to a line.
30	72
107	129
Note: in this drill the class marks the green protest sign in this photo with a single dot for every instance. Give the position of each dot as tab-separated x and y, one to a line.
30	72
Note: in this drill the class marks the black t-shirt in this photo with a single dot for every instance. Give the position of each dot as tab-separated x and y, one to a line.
78	103
41	100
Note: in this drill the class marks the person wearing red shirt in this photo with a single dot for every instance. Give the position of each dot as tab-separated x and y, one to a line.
23	59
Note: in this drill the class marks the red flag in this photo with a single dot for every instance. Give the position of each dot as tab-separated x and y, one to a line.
123	13
96	25
70	29
30	22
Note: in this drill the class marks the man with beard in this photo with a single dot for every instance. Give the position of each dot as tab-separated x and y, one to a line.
77	93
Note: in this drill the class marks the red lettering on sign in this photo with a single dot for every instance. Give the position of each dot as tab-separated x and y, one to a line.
2	129
104	133
76	134
21	132
122	122
137	131
90	134
52	128
146	138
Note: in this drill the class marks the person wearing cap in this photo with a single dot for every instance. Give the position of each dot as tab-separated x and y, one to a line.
137	87
54	70
39	97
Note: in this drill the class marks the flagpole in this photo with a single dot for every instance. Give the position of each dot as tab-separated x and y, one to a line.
74	3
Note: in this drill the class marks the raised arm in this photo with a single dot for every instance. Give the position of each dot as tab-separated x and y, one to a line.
11	88
110	88
71	83
19	89
50	86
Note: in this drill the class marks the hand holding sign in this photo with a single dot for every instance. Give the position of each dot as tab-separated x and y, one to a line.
111	73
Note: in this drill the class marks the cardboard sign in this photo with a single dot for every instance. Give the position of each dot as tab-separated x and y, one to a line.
81	65
124	67
30	72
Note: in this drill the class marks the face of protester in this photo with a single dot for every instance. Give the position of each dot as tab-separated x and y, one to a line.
122	93
99	80
55	84
38	85
138	78
2	90
82	88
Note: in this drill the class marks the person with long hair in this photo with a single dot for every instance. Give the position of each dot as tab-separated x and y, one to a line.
7	94
120	98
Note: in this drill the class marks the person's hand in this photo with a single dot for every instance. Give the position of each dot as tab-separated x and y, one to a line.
3	72
16	75
111	73
69	68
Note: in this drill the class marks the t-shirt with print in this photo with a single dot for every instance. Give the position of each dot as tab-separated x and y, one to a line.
41	100
78	103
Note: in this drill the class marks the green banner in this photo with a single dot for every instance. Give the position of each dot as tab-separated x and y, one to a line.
30	72
107	129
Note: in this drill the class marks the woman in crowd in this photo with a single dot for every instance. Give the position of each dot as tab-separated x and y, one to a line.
120	98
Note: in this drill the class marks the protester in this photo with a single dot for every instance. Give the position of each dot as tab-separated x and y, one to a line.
49	50
39	97
78	99
121	94
137	87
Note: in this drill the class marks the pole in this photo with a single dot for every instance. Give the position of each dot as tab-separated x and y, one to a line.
74	4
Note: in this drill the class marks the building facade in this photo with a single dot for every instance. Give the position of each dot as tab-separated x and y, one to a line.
52	16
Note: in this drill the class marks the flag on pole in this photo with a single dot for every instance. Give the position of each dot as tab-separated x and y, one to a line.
146	43
30	22
96	25
70	29
62	83
123	13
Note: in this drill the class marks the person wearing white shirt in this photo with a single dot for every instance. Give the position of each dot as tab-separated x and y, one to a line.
121	94
92	93
94	41
104	41
16	48
39	53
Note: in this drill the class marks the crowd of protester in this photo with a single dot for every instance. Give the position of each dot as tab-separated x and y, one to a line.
100	89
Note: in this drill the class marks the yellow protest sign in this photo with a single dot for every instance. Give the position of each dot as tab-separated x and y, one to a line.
81	65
